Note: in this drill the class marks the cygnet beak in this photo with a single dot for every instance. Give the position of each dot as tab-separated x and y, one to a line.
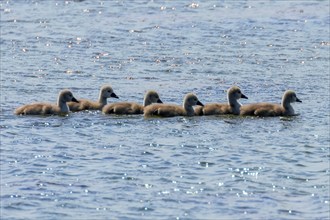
244	96
199	103
113	95
74	99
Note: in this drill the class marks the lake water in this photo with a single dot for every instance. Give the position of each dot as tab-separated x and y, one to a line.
93	166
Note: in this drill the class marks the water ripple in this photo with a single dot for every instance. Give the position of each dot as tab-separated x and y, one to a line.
90	165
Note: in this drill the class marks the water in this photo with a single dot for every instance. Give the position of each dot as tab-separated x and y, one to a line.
92	166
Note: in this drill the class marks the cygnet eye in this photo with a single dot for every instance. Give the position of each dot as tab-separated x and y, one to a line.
109	91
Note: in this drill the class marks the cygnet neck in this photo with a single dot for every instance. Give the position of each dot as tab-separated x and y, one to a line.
61	103
102	99
146	101
233	102
188	108
286	104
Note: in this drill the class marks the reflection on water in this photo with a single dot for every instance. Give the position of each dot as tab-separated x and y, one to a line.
89	165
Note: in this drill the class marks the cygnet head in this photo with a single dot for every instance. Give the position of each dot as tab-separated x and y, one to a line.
191	100
107	92
235	93
290	97
67	96
153	97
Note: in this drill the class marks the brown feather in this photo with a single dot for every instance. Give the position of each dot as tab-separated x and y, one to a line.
232	107
132	107
270	109
170	110
123	108
48	108
106	92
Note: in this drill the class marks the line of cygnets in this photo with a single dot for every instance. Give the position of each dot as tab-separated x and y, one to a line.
153	106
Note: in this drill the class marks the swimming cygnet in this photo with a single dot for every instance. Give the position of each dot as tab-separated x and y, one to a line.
232	107
168	110
48	109
270	109
85	104
132	107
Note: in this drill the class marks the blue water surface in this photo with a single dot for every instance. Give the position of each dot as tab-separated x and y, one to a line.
93	166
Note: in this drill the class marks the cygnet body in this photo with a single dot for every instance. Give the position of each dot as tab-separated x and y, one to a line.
48	109
232	107
132	107
169	110
270	109
106	92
